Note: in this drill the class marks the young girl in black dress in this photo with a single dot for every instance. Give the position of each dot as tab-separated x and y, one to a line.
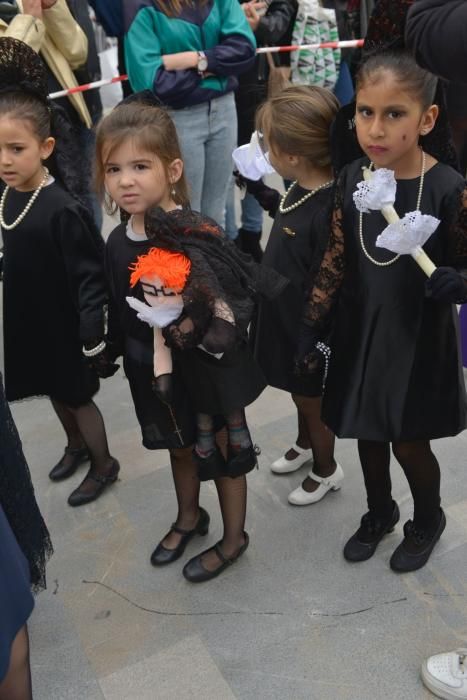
295	128
139	165
394	374
53	279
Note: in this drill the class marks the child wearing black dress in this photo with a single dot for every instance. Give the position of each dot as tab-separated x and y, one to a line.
140	166
54	291
394	374
295	128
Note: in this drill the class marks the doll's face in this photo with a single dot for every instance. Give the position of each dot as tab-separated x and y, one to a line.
157	294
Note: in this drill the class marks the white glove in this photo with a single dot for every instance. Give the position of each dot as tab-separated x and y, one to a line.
157	316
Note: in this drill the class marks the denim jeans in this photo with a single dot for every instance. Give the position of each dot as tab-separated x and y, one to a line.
252	214
208	135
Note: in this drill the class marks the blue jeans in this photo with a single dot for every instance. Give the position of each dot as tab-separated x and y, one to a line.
208	135
252	214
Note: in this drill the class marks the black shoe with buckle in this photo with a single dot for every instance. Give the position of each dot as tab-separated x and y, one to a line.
61	471
102	481
362	545
162	555
195	572
416	547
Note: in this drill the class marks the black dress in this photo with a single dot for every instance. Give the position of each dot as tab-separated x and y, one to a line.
53	297
24	541
395	373
161	427
295	249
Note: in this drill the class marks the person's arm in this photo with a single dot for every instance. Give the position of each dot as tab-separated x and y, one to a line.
83	261
66	33
436	32
28	27
322	298
236	52
275	23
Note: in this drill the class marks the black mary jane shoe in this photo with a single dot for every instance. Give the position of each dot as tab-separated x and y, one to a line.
195	572
60	471
162	555
362	545
416	547
80	498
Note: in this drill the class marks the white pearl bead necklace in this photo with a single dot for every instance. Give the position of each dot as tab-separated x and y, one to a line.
360	227
285	210
28	206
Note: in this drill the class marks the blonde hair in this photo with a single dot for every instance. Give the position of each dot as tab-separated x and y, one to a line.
172	8
297	122
152	130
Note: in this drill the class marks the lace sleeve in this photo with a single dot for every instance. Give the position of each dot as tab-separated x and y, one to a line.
457	232
325	289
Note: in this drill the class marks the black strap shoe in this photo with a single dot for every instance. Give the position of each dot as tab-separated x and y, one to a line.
79	497
162	555
416	547
195	572
362	545
60	471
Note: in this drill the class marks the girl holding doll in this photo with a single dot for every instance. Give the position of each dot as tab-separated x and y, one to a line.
200	291
394	375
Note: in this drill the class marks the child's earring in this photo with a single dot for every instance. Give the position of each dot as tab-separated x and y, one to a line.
173	191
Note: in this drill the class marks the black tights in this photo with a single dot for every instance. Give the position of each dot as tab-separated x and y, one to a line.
313	432
232	495
84	426
421	469
17	683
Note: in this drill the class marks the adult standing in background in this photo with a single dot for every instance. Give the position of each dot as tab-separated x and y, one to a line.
189	53
109	13
270	24
436	31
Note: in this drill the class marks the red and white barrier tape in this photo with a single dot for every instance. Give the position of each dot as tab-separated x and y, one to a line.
352	43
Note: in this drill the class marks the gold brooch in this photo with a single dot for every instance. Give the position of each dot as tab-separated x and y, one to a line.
288	231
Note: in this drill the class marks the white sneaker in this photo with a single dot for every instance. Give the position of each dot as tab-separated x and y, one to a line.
284	466
446	674
300	497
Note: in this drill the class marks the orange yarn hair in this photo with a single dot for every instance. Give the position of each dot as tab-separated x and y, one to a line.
171	268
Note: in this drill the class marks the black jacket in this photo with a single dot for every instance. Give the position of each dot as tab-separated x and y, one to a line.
436	32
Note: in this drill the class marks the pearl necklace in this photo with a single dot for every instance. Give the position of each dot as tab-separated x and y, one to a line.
285	210
360	227
28	206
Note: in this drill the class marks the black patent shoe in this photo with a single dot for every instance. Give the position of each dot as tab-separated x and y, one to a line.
363	543
161	555
101	482
195	572
416	547
60	471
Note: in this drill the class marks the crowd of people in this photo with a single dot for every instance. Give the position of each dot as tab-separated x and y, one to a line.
365	344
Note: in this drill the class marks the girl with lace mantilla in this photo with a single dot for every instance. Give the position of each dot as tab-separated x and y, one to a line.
394	374
53	278
295	127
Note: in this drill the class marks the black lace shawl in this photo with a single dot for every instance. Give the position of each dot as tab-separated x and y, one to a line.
220	272
17	498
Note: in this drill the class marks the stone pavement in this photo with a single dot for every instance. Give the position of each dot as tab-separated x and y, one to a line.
290	621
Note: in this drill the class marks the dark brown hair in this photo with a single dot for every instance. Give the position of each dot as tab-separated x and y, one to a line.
152	129
172	8
28	108
297	122
405	70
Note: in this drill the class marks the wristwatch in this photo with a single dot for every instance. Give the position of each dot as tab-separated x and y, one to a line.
202	62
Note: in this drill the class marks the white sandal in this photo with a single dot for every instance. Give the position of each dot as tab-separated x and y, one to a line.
284	466
300	497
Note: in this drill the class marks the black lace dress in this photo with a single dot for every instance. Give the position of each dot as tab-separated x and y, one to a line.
395	372
295	249
24	541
